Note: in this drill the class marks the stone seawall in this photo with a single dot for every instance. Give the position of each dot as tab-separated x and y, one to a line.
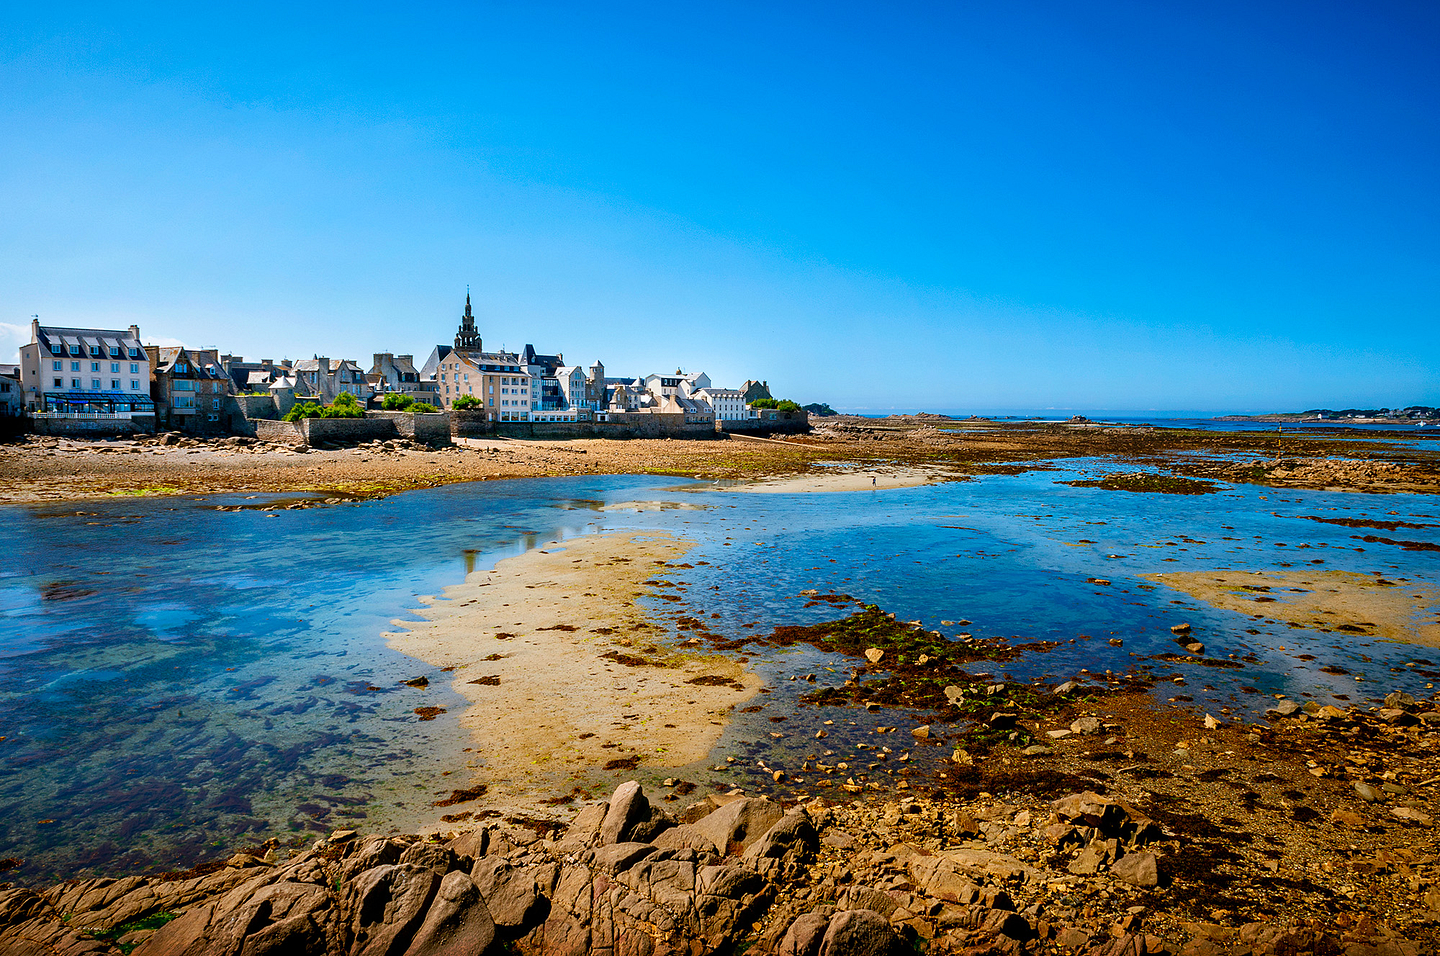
94	427
432	428
620	425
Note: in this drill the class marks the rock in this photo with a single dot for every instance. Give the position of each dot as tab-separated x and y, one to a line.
1410	814
583	831
389	902
739	823
1196	648
1088	861
859	933
1139	869
1180	628
512	899
1211	723
921	733
1348	818
618	857
1069	687
873	654
1087	725
954	694
627	807
458	923
1367	793
1285	708
792	833
805	935
1400	700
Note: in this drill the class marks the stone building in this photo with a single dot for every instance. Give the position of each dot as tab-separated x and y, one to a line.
499	380
191	389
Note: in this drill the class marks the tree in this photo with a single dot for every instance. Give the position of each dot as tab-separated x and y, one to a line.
397	402
764	403
464	402
344	406
785	405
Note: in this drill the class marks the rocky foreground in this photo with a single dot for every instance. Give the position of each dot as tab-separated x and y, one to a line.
727	874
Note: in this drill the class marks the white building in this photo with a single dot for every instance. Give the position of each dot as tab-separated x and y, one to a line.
728	403
85	373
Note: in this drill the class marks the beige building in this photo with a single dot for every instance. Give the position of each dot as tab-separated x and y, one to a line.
499	380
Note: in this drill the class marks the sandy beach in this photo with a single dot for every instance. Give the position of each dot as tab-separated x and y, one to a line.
571	683
1339	601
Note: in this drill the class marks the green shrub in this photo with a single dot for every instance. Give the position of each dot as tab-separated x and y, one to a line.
396	402
764	403
464	402
423	408
305	410
785	405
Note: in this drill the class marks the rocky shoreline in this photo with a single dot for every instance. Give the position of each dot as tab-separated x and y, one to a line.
1006	874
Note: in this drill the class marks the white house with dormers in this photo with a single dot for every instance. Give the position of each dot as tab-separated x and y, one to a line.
85	373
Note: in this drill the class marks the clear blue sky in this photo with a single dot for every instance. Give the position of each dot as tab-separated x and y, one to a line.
959	206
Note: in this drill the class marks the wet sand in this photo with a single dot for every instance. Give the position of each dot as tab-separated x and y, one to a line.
843	480
1339	601
566	674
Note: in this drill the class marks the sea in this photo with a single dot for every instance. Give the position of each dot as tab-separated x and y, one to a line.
181	677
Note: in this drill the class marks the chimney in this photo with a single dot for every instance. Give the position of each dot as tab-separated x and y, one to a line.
135	331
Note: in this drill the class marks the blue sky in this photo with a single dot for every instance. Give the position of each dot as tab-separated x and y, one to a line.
950	206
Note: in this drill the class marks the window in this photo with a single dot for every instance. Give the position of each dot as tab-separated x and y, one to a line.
134	385
115	384
59	383
94	366
74	366
57	350
183	385
134	353
57	366
74	383
180	367
95	384
114	351
114	367
77	350
134	369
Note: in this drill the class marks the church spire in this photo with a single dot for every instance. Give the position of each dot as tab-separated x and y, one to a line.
467	337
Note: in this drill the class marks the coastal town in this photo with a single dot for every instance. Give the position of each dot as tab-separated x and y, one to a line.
88	382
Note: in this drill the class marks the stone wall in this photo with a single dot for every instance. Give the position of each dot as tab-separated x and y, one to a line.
620	425
432	428
346	430
94	427
285	432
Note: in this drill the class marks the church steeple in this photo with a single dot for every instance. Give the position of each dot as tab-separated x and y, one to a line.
467	338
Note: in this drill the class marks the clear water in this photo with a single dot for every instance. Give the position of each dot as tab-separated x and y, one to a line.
177	680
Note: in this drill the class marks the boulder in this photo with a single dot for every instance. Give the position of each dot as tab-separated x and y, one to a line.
1140	869
511	894
627	807
457	924
740	823
859	933
805	935
388	905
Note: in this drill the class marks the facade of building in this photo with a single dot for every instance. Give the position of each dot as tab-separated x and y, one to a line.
397	374
190	388
500	381
727	403
326	378
12	396
85	373
753	391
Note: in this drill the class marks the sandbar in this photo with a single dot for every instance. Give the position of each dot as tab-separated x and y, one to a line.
878	479
1340	601
566	673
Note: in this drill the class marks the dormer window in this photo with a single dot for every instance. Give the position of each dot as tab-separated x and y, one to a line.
181	367
57	349
77	350
114	351
134	353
